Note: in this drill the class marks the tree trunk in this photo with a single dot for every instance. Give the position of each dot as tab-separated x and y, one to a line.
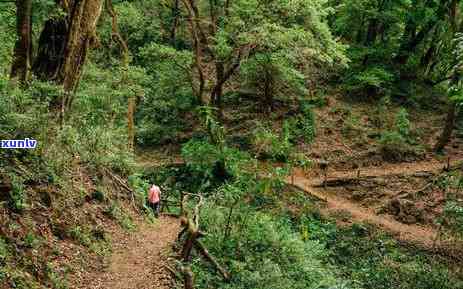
23	48
411	39
175	21
205	253
64	44
217	92
188	277
372	32
51	46
268	92
446	135
82	33
130	123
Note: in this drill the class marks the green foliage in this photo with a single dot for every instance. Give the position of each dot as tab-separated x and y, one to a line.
269	145
31	240
215	130
81	235
394	147
57	281
273	76
162	116
263	252
398	144
375	261
7	37
141	188
402	124
371	82
116	212
391	39
211	165
17	193
452	219
4	252
302	126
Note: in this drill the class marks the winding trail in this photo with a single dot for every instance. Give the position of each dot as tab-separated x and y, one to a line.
138	259
426	166
403	232
423	236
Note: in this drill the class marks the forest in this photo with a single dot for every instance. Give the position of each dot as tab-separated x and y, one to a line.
231	144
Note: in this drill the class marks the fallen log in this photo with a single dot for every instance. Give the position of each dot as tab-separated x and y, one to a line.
188	277
205	253
338	182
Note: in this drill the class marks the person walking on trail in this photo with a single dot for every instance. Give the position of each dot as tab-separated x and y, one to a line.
154	199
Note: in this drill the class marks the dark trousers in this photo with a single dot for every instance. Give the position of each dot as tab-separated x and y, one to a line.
155	207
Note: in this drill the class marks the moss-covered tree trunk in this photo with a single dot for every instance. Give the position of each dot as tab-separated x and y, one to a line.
23	49
64	43
446	134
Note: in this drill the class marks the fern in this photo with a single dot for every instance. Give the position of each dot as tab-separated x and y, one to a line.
402	123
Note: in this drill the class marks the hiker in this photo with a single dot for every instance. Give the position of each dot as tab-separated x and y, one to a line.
154	199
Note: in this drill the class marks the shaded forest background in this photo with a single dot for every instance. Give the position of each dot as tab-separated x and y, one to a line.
226	99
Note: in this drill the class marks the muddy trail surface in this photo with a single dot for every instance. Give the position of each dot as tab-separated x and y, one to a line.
138	259
420	235
387	169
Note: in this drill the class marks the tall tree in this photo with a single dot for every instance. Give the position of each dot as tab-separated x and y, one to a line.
227	34
23	49
64	43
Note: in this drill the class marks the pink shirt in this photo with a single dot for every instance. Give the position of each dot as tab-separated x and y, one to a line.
154	194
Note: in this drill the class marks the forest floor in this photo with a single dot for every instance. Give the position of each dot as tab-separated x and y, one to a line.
138	260
341	201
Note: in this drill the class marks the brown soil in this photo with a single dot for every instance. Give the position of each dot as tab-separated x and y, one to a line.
138	260
338	201
334	204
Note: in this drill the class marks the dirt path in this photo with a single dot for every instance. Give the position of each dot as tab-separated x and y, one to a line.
403	232
414	234
138	258
428	166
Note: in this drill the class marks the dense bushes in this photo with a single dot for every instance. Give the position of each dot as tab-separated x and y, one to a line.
374	261
92	135
263	252
163	114
398	143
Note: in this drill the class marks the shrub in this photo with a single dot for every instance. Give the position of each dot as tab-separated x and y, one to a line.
31	240
402	124
303	125
169	96
394	147
57	281
375	261
263	252
4	251
452	219
81	235
267	144
371	82
17	193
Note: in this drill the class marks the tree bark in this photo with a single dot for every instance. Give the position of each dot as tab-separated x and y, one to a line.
205	253
175	21
411	39
131	123
217	92
64	44
188	277
131	104
446	135
23	49
268	92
